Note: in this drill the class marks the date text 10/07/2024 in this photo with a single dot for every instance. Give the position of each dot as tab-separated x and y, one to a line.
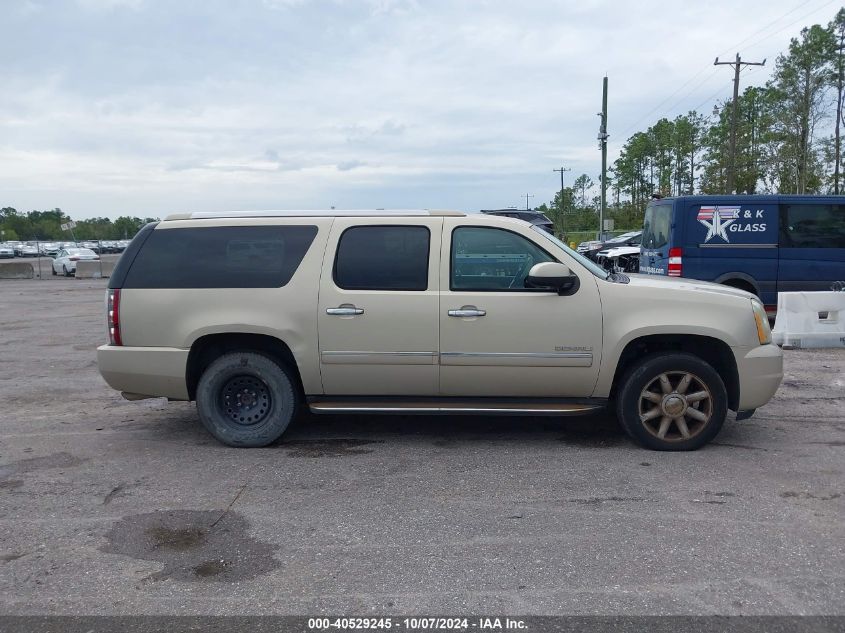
417	624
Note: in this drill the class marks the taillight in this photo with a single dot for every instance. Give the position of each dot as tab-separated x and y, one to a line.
675	263
73	259
113	317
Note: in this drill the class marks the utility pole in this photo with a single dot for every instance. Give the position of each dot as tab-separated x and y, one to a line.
528	195
738	64
603	145
562	207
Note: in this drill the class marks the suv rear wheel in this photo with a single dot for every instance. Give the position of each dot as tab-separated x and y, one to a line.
672	402
246	399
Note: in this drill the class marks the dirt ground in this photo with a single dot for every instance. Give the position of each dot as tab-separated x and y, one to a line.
112	507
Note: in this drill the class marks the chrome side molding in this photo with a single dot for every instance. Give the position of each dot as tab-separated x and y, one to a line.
454	406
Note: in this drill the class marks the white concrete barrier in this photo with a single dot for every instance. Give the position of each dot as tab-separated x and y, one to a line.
810	320
93	269
16	270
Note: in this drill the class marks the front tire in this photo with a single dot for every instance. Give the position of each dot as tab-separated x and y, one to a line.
672	402
245	399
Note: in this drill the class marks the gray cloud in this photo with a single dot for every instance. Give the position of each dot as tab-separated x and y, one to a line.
350	165
113	106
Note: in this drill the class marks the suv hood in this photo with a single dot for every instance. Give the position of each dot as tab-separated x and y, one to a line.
655	281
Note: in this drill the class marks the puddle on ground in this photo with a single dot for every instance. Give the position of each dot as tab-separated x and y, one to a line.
193	545
336	447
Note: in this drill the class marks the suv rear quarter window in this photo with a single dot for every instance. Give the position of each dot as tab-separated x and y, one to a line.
220	257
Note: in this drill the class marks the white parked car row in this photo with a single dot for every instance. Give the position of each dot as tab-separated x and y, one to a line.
51	249
65	261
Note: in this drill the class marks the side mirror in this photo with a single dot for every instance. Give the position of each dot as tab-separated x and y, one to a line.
551	276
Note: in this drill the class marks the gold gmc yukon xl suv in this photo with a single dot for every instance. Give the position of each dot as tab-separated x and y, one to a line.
254	315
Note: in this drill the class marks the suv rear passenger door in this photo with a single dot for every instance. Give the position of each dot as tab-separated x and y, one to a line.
378	307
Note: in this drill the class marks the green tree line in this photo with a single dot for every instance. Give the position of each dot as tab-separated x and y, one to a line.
788	140
46	226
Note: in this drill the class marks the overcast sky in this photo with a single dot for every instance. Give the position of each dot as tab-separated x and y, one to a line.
146	107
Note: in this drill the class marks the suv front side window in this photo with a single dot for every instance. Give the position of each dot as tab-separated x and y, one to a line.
492	259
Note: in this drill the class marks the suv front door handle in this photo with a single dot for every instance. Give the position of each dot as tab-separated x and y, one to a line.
345	310
467	312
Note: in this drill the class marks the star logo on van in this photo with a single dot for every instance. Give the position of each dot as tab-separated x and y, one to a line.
716	220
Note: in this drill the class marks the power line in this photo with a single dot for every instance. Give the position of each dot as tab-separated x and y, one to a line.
712	74
661	104
700	72
746	71
734	47
793	10
783	28
711	97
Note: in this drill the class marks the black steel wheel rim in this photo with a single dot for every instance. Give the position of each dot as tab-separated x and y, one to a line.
245	400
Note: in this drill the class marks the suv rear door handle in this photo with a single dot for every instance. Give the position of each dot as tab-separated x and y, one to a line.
345	311
467	312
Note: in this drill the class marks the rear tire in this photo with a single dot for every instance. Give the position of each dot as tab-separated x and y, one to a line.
53	269
672	401
246	399
64	270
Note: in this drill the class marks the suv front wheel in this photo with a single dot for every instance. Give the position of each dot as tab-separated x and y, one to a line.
672	402
246	399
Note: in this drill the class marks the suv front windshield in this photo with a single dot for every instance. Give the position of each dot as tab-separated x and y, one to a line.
594	268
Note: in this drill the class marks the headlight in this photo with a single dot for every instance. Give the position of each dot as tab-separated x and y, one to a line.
764	332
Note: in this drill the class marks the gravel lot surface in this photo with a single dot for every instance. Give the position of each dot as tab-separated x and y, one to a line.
112	507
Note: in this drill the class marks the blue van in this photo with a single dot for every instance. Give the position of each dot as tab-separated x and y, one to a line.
764	244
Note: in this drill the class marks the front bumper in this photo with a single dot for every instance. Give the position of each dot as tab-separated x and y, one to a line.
760	371
150	371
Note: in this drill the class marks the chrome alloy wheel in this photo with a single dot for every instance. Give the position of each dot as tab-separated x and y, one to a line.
675	406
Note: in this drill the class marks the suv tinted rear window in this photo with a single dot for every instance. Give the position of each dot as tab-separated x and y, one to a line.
220	257
383	258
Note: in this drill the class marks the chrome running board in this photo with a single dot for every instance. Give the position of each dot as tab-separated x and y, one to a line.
454	406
